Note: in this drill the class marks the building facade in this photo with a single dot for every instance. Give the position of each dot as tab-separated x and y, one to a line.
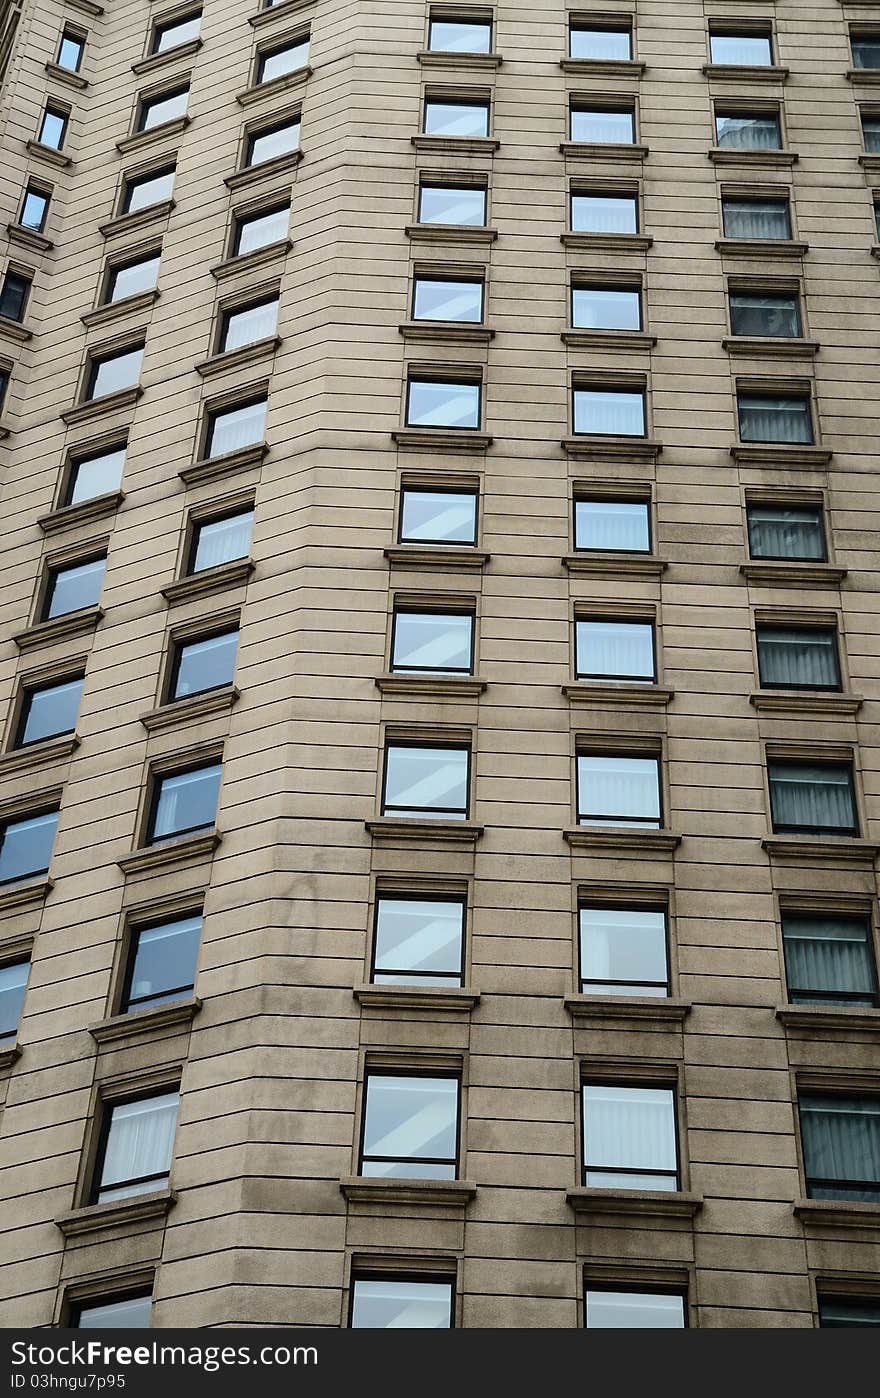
440	775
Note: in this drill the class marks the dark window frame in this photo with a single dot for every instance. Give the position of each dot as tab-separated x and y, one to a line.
844	1298
440	15
291	41
63	114
408	609
470	279
829	629
132	181
106	1108
375	1274
126	1004
632	390
406	1070
431	183
156	780
195	526
483	104
35	188
634	822
75	36
581	498
415	977
77	458
29	813
825	1181
586	25
780	293
851	832
47	589
724	30
96	360
724	110
26	283
435	812
840	998
439	489
669	1084
212	415
470	382
582	192
784	557
579	674
619	107
782	201
242	217
7	1040
580	281
148	101
861	34
178	644
23	709
784	395
109	1298
269	128
224	320
122	265
161	26
647	1288
584	904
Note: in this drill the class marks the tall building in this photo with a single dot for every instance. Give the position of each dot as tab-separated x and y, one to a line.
440	775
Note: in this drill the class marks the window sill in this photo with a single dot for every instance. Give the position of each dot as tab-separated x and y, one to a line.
770	345
83	513
365	1189
449	233
232	359
606	242
288	7
837	1213
66	76
181	711
435	832
446	332
248	260
102	315
166	60
588	447
760	159
439	556
442	439
177	852
28	238
141	139
137	1209
832	849
779	454
762	247
251	174
614	565
614	67
601	150
830	1017
608	339
466	62
614	839
8	1056
869	76
138	1023
288	82
24	895
870	160
88	7
599	694
209	581
623	1007
49	155
59	628
442	998
795	703
432	686
14	330
747	72
101	407
155	213
38	754
796	574
456	145
212	468
635	1203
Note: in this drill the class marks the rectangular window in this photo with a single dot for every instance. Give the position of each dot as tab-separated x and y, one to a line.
839	1311
203	664
793	532
26	846
221	540
142	191
742	49
70	51
612	526
748	130
615	412
131	278
756	219
871	133
623	951
865	48
124	1313
604	213
276	63
184	802
111	373
607	1309
438	516
272	142
630	1138
456	118
260	230
72	588
401	1303
442	403
162	962
4	385
135	1151
812	798
456	205
841	1142
410	1126
94	475
460	35
48	710
605	307
53	127
615	650
829	960
245	325
775	314
781	420
798	657
422	781
13	983
428	642
603	125
14	295
442	298
418	941
619	790
176	32
34	208
234	429
156	111
604	43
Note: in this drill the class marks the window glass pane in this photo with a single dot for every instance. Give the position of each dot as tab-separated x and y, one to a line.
798	658
612	412
205	664
26	846
436	298
618	650
269	145
426	782
133	1313
114	374
438	517
411	1127
13	296
756	218
178	31
603	126
629	1137
604	213
465	205
186	801
623	951
137	1156
222	540
418	940
13	982
618	526
437	404
753	50
456	118
460	36
743	132
605	308
841	1140
34	209
751	314
70	52
432	641
286	60
236	428
133	279
839	1312
261	230
619	790
250	324
50	710
74	587
871	131
829	959
158	110
866	50
398	1305
151	189
634	1310
163	965
777	532
812	798
95	475
52	128
615	44
785	420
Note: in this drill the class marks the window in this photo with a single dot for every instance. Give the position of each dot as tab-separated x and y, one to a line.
142	191
233	429
814	798
184	802
781	420
756	218
13	295
70	50
162	962
271	142
53	127
605	43
34	208
26	846
131	278
621	789
603	125
829	960
245	325
432	642
459	205
615	650
604	213
48	710
176	31
156	111
871	133
794	532
748	130
418	941
442	298
775	314
260	230
221	540
401	1303
798	657
612	526
623	951
275	63
74	587
454	117
4	385
134	1155
438	516
424	781
606	307
442	403
865	48
94	475
841	1143
607	1309
616	412
410	1126
630	1137
838	1311
124	1313
455	35
111	373
743	49
13	983
203	664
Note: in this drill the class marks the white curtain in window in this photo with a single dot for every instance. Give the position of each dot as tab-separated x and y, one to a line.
223	540
752	219
187	801
422	780
401	1305
623	649
619	526
617	414
139	1144
779	533
629	1128
802	658
603	214
619	788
